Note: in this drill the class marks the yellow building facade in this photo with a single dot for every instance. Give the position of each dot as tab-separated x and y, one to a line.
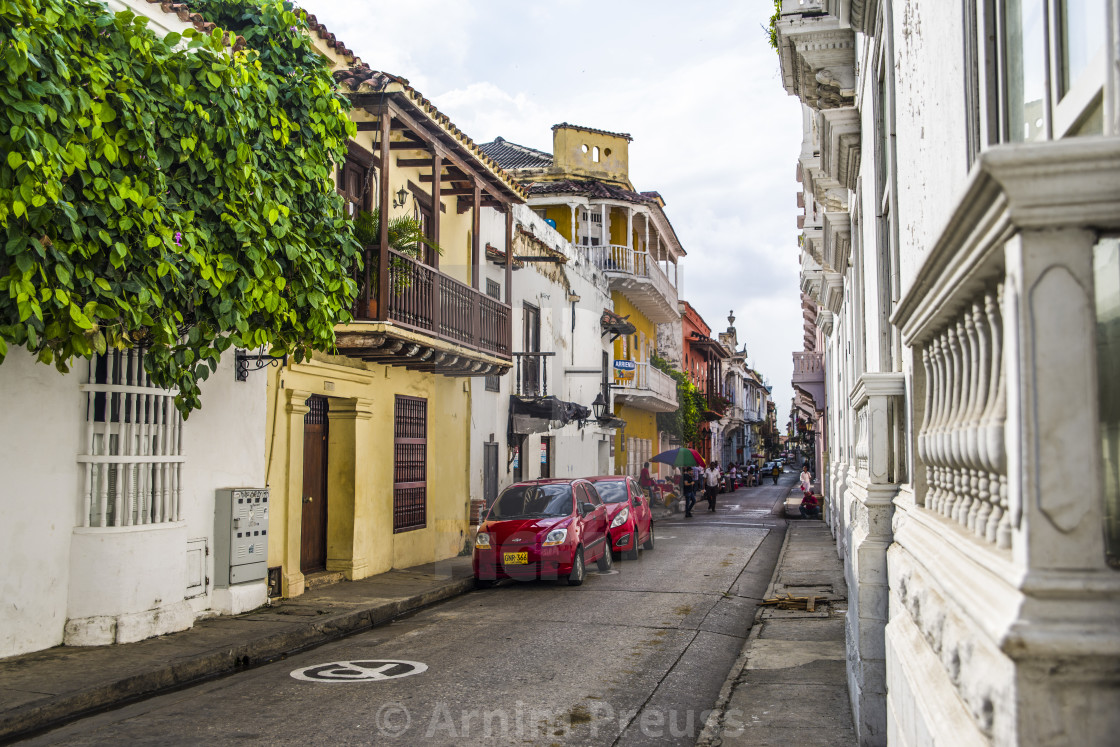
584	188
368	449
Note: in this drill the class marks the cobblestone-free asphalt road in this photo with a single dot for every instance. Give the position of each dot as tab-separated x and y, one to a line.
634	657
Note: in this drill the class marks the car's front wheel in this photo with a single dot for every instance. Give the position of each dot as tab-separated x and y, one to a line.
606	562
575	578
648	544
632	553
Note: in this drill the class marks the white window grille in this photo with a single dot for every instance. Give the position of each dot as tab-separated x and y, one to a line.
134	445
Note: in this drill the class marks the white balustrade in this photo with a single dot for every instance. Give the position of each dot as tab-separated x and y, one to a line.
646	377
614	258
961	441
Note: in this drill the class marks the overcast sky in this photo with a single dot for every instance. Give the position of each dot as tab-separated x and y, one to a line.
695	84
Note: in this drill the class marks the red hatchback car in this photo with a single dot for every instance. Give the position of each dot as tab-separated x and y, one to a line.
542	529
630	521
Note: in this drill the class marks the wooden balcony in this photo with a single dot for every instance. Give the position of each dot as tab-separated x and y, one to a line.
432	322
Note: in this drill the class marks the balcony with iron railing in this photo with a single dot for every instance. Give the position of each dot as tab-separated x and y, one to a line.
647	389
640	278
531	374
430	321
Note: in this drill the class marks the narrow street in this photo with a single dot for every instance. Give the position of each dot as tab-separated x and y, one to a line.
635	656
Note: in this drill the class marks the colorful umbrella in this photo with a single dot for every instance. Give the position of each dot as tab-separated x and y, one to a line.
680	457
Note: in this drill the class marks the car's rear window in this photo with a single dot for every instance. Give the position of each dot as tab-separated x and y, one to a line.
612	491
532	501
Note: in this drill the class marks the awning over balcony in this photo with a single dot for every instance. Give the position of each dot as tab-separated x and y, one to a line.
539	414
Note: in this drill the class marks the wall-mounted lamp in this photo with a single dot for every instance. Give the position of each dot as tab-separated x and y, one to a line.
599	406
402	195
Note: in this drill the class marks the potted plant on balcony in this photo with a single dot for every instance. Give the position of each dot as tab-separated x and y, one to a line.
406	235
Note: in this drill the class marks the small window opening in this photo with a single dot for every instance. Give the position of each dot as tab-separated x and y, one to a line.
595	154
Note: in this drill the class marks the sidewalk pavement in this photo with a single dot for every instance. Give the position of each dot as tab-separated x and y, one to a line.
45	689
790	684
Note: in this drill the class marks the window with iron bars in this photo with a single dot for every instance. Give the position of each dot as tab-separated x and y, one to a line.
410	464
133	445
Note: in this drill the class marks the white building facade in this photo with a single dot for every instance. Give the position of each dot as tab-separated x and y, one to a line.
110	500
560	351
961	186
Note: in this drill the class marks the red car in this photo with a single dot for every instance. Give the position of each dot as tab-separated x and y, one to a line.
630	519
542	529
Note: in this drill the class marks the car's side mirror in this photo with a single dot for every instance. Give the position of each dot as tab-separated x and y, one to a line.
586	508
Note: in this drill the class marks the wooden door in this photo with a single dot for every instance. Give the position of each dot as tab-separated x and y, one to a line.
313	542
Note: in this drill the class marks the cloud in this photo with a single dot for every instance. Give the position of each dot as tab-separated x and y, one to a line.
695	84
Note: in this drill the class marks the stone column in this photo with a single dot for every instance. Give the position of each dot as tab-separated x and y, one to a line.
1065	641
295	408
351	518
876	399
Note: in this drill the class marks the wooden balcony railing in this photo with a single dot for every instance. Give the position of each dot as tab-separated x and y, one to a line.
423	299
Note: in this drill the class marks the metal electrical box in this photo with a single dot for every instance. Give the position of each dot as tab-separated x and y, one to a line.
241	536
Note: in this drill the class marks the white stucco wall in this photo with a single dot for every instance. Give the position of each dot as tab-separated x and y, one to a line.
39	439
61	582
573	373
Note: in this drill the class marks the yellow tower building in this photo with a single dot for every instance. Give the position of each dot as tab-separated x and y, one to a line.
583	187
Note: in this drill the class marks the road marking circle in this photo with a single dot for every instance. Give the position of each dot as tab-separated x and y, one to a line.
365	670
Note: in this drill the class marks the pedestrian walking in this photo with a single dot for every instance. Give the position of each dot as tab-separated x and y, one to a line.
775	471
712	477
688	485
806	479
734	471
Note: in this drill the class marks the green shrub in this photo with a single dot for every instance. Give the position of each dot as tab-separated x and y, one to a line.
170	193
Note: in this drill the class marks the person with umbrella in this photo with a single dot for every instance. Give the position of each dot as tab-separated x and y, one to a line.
685	459
688	485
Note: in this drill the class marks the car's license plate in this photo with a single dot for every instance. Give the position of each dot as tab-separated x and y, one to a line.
515	558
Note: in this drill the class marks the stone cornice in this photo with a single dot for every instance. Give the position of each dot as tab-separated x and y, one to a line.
825	321
811	277
832	291
872	384
840	144
817	55
1061	184
837	241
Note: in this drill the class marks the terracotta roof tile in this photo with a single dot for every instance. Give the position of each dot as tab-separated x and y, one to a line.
586	187
375	81
183	12
513	156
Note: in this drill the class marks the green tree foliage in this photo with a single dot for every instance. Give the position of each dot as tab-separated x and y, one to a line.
772	27
684	423
169	193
